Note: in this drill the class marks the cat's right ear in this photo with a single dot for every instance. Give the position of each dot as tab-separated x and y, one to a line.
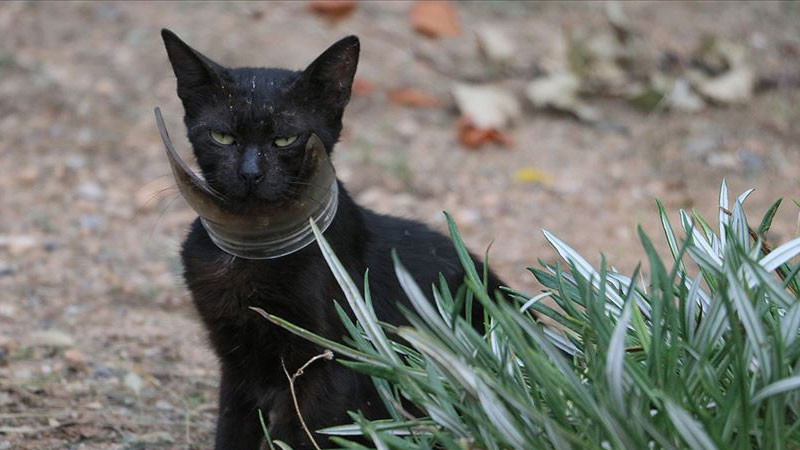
192	69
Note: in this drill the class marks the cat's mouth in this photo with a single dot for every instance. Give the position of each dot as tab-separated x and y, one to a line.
267	230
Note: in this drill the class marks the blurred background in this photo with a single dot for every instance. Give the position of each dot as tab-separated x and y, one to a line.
513	116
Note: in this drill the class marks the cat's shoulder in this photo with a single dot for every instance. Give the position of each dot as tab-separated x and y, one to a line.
415	242
199	251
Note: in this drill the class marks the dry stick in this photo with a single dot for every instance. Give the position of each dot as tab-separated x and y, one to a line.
327	354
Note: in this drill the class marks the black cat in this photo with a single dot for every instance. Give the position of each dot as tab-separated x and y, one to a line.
248	127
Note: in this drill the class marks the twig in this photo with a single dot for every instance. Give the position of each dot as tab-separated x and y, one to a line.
34	414
327	354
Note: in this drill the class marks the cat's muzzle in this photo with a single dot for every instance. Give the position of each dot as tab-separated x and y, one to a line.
271	231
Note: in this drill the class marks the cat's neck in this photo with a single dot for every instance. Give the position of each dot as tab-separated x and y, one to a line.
346	234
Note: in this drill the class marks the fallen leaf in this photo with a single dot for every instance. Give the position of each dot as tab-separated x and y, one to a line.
560	91
682	98
362	87
473	137
495	45
435	18
333	10
618	20
647	99
532	175
722	73
488	107
715	56
414	98
734	86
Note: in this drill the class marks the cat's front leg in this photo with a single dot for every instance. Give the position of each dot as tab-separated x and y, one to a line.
238	426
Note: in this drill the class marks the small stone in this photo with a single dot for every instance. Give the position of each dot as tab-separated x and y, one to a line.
85	136
74	358
94	406
133	382
27	175
753	163
702	145
76	161
102	372
161	405
8	310
53	422
91	222
682	98
51	338
22	374
407	127
467	218
90	191
18	244
723	160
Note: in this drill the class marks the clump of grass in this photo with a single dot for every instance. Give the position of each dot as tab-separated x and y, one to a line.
704	354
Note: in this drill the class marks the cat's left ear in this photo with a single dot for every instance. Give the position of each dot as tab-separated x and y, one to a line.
331	74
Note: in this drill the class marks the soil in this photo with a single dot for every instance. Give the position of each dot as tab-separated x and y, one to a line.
99	345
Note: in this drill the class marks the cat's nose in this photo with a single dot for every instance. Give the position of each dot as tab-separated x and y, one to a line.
250	169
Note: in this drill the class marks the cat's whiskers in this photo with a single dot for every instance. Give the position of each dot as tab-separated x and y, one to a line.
161	214
307	197
156	194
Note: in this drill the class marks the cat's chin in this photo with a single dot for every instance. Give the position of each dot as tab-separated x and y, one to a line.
255	202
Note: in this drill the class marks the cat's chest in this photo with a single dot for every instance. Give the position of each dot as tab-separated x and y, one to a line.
297	288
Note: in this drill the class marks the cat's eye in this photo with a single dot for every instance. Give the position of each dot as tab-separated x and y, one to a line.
284	141
222	138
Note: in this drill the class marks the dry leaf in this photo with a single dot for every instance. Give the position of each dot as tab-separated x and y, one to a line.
724	75
362	87
560	91
414	98
532	175
487	106
734	86
495	45
682	98
435	18
473	137
333	10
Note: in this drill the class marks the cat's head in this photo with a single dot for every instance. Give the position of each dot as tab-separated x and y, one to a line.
249	126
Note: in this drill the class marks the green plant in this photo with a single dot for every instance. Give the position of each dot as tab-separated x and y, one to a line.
704	355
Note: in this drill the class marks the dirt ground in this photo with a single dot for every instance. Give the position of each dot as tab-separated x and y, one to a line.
99	345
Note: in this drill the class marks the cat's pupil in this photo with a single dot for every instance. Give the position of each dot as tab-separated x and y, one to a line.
222	138
284	141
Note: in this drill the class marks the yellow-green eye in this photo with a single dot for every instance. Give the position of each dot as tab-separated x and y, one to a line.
284	141
222	138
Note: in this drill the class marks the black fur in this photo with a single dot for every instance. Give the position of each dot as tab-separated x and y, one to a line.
256	106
